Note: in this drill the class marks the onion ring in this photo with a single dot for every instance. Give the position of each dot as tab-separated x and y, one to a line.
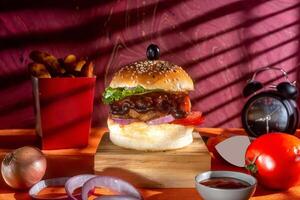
35	189
76	182
117	197
116	184
87	182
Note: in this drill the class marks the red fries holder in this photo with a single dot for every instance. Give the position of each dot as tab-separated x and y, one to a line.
63	108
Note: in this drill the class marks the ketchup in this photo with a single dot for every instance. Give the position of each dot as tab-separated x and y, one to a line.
225	183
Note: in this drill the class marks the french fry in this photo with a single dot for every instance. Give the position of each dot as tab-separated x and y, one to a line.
88	70
39	70
49	61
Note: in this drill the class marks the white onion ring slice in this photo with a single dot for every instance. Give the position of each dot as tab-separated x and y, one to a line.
113	183
36	188
117	197
76	182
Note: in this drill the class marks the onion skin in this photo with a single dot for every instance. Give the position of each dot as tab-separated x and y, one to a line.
76	182
117	197
115	184
23	167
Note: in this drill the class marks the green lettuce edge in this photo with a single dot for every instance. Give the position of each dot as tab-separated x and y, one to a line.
111	95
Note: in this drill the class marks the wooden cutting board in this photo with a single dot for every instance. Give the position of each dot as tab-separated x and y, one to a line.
168	169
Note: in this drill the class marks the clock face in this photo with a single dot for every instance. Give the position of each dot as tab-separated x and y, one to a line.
267	114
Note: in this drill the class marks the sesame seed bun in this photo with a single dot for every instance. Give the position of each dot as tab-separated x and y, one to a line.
153	74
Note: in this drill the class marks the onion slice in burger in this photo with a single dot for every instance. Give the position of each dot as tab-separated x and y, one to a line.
123	121
162	120
76	182
125	189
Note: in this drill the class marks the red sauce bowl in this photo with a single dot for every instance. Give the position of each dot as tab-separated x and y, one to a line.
225	185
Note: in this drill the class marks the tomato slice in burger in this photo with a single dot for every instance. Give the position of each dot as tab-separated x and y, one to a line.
186	105
193	118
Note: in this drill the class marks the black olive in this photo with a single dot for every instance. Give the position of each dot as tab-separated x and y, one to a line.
152	52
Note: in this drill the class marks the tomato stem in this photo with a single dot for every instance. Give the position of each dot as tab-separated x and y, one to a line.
252	168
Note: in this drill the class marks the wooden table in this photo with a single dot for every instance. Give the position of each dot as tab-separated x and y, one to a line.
63	158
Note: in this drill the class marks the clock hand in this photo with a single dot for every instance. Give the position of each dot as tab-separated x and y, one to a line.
267	125
262	119
268	118
274	111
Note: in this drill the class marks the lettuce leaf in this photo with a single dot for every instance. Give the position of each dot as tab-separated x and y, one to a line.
114	94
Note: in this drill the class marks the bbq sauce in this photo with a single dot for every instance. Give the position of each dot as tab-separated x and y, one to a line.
225	183
167	103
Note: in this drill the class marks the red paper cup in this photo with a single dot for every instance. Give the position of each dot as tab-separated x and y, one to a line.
63	108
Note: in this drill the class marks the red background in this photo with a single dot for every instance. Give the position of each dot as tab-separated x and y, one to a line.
219	42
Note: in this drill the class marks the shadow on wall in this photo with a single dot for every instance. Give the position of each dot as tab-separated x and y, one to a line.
112	28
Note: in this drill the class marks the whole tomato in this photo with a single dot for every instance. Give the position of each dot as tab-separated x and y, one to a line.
274	159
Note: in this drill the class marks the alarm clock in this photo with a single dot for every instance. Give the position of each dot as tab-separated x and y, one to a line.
271	109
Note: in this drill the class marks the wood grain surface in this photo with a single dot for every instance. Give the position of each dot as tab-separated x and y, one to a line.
150	194
167	169
219	42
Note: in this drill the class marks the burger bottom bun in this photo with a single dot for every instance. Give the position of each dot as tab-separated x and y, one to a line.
141	136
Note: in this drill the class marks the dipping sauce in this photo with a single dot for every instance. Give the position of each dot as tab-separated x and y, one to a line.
225	183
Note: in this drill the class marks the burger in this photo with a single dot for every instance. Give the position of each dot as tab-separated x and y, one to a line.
150	108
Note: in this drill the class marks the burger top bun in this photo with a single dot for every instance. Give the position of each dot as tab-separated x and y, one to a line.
153	74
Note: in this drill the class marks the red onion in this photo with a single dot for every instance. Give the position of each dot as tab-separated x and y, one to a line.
34	190
87	182
161	120
123	121
118	185
76	182
23	167
117	197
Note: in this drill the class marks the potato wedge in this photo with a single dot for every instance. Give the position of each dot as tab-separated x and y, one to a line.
79	65
88	70
50	61
70	59
39	70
